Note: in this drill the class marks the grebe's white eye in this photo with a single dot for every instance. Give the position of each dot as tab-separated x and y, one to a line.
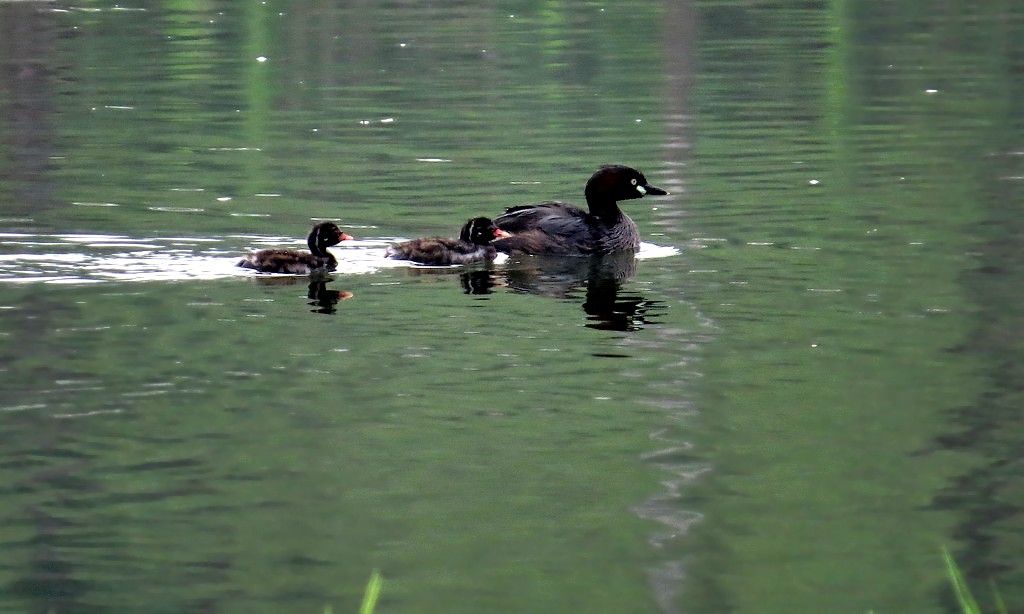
633	181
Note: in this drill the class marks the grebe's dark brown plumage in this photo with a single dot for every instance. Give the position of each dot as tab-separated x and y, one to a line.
473	245
558	228
323	235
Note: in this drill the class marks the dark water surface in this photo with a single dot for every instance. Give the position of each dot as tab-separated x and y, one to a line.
806	385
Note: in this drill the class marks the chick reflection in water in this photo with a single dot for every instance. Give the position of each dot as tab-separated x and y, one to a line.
477	280
324	300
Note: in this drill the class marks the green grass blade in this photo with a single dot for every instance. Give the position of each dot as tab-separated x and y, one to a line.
963	594
372	593
1000	604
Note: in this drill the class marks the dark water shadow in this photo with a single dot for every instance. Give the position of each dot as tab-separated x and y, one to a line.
601	278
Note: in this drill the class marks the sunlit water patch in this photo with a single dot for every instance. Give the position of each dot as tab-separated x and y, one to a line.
651	250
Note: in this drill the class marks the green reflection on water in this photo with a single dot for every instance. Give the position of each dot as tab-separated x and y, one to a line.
204	445
877	146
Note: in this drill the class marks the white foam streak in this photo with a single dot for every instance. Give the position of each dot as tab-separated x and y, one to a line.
92	258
